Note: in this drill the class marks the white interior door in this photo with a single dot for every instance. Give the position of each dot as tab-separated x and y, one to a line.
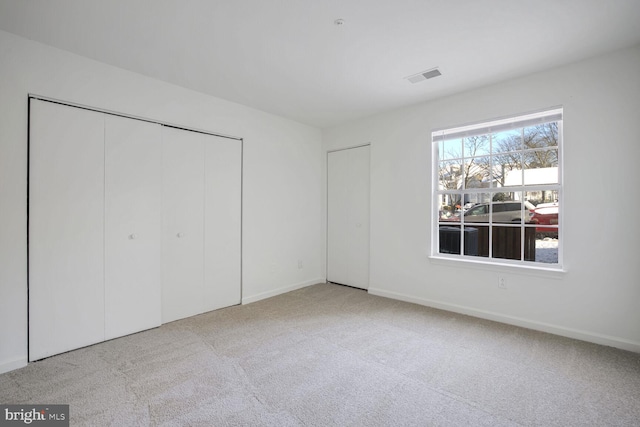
337	217
348	217
182	224
222	226
66	224
133	195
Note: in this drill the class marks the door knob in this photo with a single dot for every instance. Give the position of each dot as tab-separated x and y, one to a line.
133	236
180	234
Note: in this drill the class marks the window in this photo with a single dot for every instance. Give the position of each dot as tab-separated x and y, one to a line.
497	191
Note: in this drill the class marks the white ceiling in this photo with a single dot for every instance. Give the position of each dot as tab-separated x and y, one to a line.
287	57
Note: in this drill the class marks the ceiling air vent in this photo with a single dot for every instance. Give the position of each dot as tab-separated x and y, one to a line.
424	75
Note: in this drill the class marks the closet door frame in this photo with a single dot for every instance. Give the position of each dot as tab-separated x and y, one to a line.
36	97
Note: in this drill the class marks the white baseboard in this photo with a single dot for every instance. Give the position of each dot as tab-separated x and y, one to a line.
13	365
578	334
282	290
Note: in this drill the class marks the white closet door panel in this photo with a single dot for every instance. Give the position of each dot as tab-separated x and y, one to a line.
348	217
223	175
66	222
133	195
358	245
337	217
182	224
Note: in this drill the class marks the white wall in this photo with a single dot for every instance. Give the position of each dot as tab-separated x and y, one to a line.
598	298
282	171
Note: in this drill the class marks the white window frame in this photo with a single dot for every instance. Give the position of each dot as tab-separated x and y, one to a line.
490	127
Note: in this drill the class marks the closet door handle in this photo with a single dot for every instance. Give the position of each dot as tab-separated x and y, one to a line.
181	234
133	236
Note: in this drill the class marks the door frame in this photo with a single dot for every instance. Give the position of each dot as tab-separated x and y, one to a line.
351	147
36	97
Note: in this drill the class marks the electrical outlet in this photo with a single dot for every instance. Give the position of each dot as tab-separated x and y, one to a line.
502	282
300	264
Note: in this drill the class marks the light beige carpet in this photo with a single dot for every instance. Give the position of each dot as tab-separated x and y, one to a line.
330	355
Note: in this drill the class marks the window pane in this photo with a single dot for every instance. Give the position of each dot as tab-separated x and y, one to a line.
450	175
547	246
507	169
449	207
476	207
450	149
473	199
503	142
504	196
509	209
449	239
540	136
541	167
476	146
506	242
545	217
477	172
476	240
533	198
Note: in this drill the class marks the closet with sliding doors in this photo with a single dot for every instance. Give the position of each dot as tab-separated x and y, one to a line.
131	224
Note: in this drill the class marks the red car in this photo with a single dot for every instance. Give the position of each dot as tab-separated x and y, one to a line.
546	214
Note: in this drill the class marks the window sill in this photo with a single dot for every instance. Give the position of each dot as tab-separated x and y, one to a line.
546	271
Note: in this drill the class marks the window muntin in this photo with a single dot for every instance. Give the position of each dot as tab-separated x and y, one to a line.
497	188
